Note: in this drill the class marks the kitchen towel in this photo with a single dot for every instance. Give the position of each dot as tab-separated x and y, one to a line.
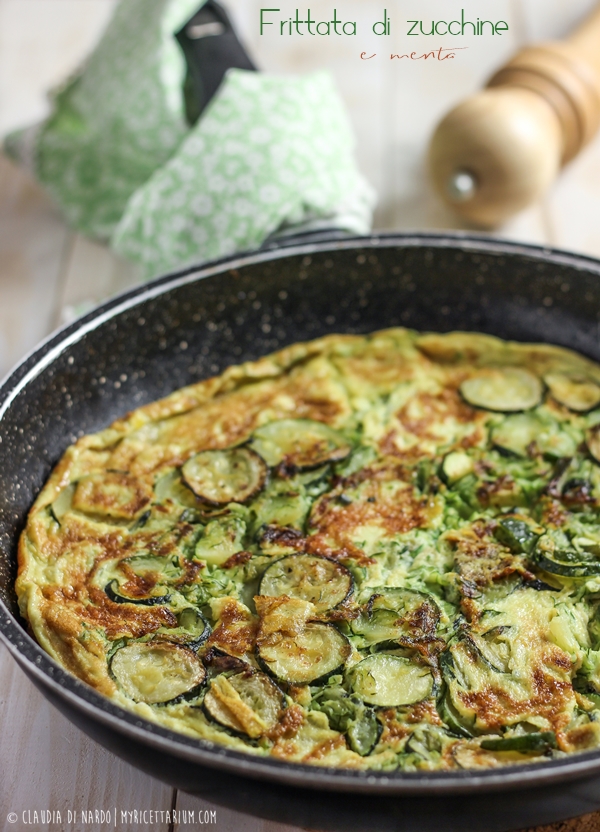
268	155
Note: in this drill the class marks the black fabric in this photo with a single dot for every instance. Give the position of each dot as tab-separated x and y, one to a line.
211	47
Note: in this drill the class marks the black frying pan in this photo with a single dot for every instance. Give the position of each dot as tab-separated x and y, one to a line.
191	325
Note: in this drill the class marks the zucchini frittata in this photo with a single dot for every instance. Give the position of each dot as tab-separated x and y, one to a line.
365	551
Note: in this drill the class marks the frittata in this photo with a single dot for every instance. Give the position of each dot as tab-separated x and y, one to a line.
369	552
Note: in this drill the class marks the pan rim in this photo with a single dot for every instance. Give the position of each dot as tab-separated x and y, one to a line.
82	697
38	357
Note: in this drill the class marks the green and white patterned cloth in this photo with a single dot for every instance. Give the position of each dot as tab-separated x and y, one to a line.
268	154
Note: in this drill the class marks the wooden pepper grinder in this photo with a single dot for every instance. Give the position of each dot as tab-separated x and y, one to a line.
499	151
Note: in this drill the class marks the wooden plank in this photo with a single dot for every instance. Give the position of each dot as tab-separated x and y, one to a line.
587	823
43	266
33	247
68	771
41	43
92	274
392	114
228	820
221	819
48	764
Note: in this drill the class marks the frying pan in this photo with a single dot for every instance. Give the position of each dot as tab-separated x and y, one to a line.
190	325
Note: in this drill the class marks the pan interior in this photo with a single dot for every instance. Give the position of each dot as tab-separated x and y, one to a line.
192	326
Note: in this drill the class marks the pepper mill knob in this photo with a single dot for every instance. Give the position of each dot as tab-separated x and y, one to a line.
500	150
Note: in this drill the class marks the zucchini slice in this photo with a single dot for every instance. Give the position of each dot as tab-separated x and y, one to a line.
567	563
364	732
113	591
592	440
193	629
397	598
503	389
537	742
157	672
222	538
517	434
310	656
576	393
455	466
322	581
378	626
390	681
62	504
247	702
299	444
283	504
167	569
519	535
489	649
557	558
171	488
225	476
455	722
395	613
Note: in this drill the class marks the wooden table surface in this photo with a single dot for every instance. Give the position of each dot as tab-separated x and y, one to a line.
48	275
